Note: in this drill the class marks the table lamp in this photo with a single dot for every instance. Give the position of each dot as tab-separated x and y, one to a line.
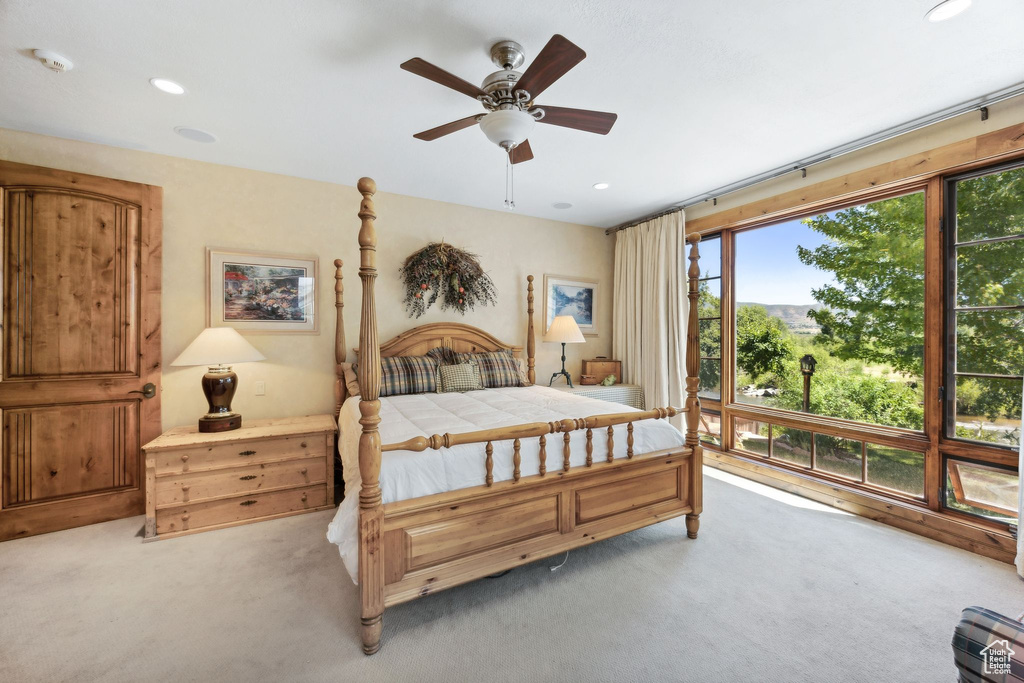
565	330
218	348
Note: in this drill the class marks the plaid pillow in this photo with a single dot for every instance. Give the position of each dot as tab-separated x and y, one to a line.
497	368
408	375
444	355
461	377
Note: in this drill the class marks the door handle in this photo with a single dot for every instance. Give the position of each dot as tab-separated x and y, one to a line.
148	390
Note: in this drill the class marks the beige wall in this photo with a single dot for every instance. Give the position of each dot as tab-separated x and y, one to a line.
211	205
962	127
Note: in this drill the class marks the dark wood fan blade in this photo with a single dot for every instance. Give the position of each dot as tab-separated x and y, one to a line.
522	152
581	119
439	75
435	133
553	62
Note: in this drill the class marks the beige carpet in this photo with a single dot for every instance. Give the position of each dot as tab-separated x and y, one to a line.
777	588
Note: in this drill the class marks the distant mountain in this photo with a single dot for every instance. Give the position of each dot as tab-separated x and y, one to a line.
794	315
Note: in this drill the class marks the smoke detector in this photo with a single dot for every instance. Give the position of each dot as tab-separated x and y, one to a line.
53	61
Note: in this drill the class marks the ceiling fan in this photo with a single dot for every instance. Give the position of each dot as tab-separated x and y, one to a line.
508	96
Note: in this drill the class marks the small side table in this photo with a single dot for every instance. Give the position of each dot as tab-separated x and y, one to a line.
627	394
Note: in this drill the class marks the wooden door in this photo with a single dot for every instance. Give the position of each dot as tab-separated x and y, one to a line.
80	344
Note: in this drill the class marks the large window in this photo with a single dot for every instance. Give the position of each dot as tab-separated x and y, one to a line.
898	470
711	318
985	310
876	347
846	288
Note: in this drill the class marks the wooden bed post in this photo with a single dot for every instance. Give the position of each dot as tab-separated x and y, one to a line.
339	336
692	386
371	512
531	343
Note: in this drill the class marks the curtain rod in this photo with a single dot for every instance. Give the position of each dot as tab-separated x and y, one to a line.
977	104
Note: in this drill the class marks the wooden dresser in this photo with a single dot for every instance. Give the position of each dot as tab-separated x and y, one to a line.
267	469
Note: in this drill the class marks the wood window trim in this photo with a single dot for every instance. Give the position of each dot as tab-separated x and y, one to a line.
705	400
958	487
896	437
862	485
923	171
947	441
966	155
954	529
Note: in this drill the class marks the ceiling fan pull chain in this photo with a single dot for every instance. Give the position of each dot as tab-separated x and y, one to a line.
511	181
510	171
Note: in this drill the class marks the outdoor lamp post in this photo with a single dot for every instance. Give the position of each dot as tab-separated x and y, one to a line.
807	364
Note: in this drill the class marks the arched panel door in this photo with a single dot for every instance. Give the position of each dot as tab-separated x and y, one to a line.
80	384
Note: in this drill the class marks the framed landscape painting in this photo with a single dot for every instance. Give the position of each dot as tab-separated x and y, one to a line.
571	296
261	293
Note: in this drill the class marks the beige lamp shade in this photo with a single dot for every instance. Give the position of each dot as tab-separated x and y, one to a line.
218	346
565	330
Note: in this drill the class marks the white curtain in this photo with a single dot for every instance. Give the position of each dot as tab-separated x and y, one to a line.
1019	561
649	300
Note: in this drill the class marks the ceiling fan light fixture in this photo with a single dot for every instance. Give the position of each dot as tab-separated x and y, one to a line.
947	10
507	127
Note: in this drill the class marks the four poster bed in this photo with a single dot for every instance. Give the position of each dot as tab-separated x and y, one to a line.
548	472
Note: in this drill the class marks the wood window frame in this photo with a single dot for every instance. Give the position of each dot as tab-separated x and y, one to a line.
927	171
958	487
707	401
995	453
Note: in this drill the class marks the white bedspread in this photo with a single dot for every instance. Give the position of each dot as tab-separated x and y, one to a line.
405	474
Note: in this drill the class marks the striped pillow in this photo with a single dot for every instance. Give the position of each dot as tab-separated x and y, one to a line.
497	368
461	377
444	355
408	375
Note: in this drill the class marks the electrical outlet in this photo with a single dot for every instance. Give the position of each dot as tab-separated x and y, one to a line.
261	388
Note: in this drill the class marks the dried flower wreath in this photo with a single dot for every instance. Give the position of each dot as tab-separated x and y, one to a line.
439	270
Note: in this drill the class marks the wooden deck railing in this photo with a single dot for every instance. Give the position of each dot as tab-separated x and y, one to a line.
539	430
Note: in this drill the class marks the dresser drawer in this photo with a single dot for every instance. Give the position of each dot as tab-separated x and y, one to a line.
239	453
228	510
194	487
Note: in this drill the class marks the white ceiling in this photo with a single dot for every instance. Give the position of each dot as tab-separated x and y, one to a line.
707	92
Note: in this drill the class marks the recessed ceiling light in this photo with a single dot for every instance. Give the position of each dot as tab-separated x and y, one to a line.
195	135
601	186
947	10
167	86
562	205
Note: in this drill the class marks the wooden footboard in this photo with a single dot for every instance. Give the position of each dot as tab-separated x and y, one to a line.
415	547
439	541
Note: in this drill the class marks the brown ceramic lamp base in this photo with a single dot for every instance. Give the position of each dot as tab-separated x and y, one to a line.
219	385
219	424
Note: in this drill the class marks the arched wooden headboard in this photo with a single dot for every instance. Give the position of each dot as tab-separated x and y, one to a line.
456	336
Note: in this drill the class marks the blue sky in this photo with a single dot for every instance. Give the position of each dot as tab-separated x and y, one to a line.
768	270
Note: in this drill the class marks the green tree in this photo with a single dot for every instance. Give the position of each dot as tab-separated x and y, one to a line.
875	311
990	275
838	393
762	342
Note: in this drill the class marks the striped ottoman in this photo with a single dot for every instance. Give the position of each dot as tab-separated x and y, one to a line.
988	647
